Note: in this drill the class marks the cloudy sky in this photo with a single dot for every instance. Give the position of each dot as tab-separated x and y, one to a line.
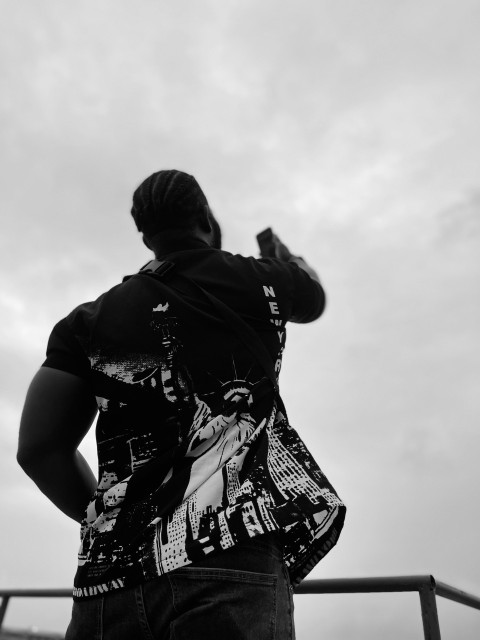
352	128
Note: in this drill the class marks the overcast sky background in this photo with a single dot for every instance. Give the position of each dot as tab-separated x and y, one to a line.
352	128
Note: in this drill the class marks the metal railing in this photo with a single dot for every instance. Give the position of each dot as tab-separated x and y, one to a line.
427	587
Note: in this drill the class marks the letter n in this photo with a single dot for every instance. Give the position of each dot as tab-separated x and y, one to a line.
268	291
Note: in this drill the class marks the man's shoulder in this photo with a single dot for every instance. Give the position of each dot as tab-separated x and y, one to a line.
219	265
86	311
251	264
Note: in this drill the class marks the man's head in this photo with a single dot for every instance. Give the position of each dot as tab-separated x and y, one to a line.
171	202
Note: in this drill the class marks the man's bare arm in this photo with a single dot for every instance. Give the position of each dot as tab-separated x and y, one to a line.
58	412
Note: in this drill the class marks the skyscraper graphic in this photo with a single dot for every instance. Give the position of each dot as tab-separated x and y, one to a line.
251	520
175	534
226	539
290	477
142	449
232	483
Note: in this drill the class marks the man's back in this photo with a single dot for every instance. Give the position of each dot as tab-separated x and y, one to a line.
182	445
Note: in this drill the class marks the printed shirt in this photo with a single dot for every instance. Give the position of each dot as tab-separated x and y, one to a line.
191	462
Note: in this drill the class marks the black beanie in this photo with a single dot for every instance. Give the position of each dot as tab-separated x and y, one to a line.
167	199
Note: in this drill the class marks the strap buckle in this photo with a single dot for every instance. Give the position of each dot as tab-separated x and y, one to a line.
159	268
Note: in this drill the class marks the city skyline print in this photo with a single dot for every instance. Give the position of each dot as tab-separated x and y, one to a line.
221	469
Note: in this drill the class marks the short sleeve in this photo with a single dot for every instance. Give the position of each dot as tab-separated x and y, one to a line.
64	351
308	296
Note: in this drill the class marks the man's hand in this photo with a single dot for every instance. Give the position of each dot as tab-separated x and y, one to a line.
272	247
59	410
281	250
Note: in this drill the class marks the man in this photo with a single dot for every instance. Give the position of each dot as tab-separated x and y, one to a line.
208	508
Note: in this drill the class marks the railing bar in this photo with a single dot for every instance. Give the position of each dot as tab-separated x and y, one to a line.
3	608
452	593
431	626
366	585
36	593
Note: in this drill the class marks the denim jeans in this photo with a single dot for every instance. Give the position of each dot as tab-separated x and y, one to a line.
242	593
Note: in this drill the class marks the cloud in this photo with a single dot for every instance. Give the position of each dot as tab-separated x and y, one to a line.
460	222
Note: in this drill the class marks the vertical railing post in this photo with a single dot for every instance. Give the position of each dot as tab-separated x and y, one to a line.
428	602
3	609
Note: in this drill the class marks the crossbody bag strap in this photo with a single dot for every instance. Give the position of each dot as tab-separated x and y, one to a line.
164	270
